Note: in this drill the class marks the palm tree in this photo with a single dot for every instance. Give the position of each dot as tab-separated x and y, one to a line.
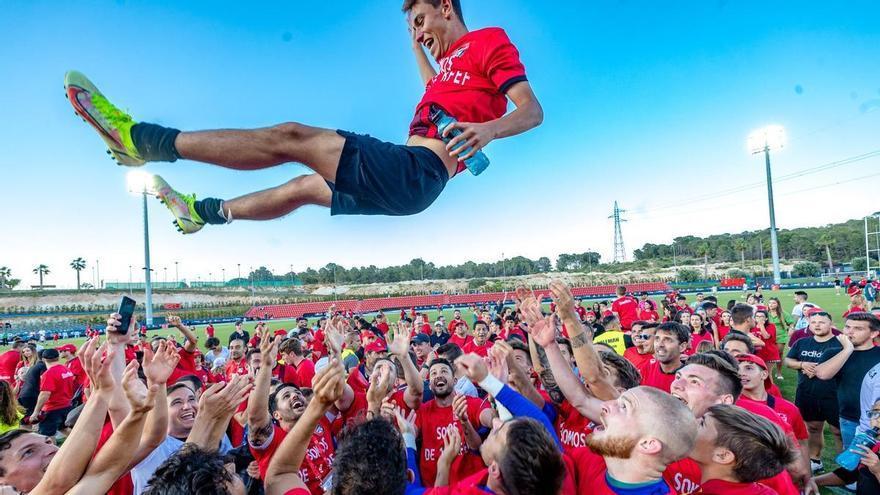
78	265
825	240
741	245
41	270
703	250
5	273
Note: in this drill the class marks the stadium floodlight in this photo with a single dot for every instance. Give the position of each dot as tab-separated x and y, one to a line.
762	141
140	182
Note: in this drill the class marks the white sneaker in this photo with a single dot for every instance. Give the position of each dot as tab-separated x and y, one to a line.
816	466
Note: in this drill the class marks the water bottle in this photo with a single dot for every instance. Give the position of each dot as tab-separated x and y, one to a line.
477	163
850	458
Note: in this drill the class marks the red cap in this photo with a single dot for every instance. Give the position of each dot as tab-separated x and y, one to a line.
377	345
812	311
67	347
280	331
751	358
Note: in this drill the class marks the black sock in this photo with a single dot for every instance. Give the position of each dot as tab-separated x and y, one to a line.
210	209
154	142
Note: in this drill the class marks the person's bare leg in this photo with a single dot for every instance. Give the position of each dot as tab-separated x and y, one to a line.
317	148
815	441
279	201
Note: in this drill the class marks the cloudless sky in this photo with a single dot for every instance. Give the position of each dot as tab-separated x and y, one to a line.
646	102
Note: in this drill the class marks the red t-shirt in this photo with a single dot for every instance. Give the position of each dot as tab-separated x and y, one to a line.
76	367
316	465
721	487
301	375
685	475
627	309
8	361
590	469
60	382
696	338
632	355
234	367
185	366
788	412
209	330
475	73
581	312
648	315
480	350
124	485
653	375
433	421
454	323
770	350
297	491
572	427
460	341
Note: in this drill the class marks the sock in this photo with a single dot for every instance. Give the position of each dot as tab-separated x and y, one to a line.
155	143
211	210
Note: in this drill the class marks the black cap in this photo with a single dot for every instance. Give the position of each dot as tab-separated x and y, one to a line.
421	339
50	354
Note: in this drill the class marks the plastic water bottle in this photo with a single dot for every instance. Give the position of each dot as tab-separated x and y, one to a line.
850	458
477	163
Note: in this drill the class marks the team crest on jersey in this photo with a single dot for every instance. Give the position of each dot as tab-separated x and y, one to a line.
460	51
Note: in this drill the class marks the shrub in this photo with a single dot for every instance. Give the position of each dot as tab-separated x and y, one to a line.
806	269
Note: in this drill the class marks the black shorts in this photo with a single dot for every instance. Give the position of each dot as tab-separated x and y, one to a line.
379	178
818	409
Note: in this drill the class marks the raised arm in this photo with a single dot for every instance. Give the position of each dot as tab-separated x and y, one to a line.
118	341
426	70
282	475
829	368
116	455
414	385
192	342
70	462
588	360
216	407
258	419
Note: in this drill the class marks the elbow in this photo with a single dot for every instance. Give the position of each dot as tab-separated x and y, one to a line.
537	115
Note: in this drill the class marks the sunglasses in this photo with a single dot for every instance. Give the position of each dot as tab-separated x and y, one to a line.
644	336
873	414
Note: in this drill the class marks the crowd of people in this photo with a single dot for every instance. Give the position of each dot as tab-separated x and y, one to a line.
618	398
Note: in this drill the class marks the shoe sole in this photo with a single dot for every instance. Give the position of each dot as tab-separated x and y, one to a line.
76	83
168	197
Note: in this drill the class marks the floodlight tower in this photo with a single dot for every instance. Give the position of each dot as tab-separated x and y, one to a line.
762	141
141	183
619	251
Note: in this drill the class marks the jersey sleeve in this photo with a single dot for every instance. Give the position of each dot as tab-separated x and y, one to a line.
48	382
501	62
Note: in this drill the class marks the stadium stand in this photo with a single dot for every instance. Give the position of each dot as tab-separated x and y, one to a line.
281	311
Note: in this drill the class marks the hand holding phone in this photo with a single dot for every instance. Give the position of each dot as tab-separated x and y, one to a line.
126	312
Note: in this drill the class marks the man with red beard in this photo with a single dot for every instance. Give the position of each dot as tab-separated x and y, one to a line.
271	417
735	449
450	410
641	433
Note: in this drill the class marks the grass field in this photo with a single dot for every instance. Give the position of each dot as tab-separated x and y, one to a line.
825	298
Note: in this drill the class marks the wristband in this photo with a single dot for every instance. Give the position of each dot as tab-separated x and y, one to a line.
409	440
491	384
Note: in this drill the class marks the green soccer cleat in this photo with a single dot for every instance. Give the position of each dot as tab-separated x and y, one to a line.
186	220
113	125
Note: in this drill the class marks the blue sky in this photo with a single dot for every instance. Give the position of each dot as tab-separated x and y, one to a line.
647	103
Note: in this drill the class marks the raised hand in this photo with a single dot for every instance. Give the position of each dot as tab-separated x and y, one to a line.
140	398
497	364
328	384
98	369
528	305
400	345
543	331
562	296
269	352
159	366
460	407
333	338
173	320
114	336
380	384
451	447
406	424
473	366
221	400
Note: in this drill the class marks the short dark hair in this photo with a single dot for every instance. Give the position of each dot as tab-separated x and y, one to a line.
873	321
193	380
709	305
370	459
50	354
609	319
727	368
739	337
800	293
621	290
761	449
532	463
480	322
442	361
741	313
291	345
6	442
450	351
681	332
627	375
456	6
250	352
273	397
190	470
212	342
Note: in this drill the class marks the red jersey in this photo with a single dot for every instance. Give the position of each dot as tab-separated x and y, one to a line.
209	330
696	338
770	351
632	355
721	487
61	384
124	485
475	73
627	309
234	367
315	467
454	323
300	375
460	341
685	476
654	376
581	312
479	350
433	421
572	427
590	471
8	361
357	381
76	367
648	315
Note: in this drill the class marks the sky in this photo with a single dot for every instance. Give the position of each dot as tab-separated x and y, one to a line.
647	103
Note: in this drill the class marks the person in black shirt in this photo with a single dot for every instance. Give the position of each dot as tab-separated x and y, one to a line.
240	334
849	367
439	336
816	398
30	386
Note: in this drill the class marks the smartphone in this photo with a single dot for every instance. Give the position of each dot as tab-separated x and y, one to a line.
126	311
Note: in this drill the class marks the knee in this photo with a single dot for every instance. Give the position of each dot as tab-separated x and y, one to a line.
288	131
